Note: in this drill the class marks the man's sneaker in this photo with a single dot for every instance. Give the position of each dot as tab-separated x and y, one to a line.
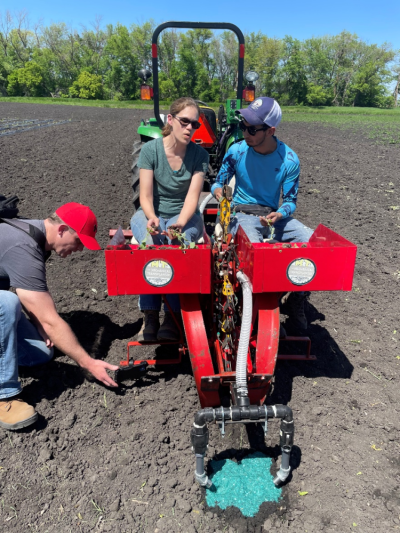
169	330
295	309
151	324
16	414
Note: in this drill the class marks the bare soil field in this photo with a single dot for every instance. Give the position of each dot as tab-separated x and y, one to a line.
120	461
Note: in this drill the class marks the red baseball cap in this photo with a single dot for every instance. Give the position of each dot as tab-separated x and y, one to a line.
81	219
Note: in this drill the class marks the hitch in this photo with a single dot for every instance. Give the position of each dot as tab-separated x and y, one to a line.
199	434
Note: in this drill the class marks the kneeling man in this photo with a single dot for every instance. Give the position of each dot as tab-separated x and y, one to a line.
24	247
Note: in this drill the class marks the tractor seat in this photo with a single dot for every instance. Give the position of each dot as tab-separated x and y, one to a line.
213	203
218	231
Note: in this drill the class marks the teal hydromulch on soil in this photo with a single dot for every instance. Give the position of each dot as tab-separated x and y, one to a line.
245	485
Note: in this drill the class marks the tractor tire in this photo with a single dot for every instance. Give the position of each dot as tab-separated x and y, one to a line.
137	146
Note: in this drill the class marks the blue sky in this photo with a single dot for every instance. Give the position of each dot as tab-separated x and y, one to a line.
374	23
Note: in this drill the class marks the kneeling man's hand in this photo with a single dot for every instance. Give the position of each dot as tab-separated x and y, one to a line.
272	218
98	370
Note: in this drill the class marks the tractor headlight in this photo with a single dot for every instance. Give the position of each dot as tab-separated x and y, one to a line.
251	76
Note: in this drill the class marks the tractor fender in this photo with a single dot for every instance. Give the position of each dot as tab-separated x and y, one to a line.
234	138
147	132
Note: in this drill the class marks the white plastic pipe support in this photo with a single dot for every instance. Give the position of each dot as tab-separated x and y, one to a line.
241	364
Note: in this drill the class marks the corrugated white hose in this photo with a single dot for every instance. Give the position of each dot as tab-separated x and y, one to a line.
241	364
205	202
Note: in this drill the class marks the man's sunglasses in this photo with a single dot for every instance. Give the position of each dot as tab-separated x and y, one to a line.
252	129
184	122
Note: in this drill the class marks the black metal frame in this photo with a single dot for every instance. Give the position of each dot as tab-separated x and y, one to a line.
193	25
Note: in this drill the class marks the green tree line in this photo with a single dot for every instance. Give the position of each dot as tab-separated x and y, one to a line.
102	63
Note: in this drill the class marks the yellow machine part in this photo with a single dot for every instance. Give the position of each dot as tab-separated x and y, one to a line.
224	215
227	288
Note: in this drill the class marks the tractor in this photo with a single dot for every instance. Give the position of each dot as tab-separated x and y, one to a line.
217	133
230	291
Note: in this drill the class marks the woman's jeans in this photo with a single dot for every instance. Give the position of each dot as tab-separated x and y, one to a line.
20	344
286	230
193	232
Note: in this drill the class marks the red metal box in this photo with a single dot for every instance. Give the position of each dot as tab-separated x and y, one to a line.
159	270
325	263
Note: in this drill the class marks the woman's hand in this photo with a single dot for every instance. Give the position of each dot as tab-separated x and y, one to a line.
272	218
173	229
153	225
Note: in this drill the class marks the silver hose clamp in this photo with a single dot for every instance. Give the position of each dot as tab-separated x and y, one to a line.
266	420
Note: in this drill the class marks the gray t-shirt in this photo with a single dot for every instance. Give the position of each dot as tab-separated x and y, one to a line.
171	187
22	262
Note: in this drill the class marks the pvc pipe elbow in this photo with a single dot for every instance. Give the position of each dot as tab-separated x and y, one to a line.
203	480
281	476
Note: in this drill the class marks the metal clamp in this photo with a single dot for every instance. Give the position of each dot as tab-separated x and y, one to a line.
266	420
222	423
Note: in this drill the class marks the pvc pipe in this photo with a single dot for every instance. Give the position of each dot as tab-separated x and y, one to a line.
199	434
284	469
241	364
200	474
205	202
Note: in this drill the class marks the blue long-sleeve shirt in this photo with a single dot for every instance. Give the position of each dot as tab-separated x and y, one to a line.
261	178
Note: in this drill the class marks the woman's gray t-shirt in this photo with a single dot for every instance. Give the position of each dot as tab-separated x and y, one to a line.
171	187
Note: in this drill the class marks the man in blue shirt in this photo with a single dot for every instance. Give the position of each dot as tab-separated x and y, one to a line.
264	167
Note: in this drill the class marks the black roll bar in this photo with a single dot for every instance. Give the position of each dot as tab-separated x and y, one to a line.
193	25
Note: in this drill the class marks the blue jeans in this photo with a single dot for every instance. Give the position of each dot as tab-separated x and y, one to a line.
286	230
20	344
193	232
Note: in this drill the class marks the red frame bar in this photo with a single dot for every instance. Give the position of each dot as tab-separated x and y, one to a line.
199	352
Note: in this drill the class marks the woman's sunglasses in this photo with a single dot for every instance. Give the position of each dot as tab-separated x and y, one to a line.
252	129
184	122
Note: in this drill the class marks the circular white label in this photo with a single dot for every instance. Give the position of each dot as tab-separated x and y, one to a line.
301	271
158	273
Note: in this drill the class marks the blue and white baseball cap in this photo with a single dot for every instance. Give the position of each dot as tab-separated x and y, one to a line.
263	110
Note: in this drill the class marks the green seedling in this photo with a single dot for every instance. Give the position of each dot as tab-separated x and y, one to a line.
142	245
150	231
175	233
271	229
97	507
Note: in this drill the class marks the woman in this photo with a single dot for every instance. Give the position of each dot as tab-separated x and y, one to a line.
172	171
